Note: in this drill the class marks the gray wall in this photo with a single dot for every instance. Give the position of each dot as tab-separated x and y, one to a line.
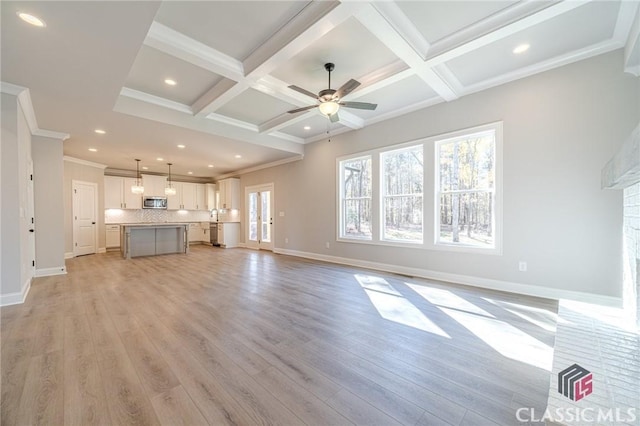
16	153
74	171
48	172
560	128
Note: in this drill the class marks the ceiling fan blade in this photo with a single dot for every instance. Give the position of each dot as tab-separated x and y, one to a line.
303	91
334	117
347	88
359	105
293	111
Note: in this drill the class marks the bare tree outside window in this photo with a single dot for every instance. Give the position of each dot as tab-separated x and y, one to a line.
402	189
356	198
466	190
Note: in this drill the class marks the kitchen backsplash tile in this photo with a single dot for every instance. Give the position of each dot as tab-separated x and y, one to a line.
150	215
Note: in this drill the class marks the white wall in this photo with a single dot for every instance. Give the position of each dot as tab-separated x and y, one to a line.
560	128
16	154
49	209
75	171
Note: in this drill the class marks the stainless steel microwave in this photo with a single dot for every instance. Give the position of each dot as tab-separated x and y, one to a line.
154	203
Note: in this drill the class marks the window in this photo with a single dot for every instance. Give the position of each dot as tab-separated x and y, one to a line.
466	191
355	198
384	196
402	188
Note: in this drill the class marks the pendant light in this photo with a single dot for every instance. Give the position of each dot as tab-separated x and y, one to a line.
169	190
137	188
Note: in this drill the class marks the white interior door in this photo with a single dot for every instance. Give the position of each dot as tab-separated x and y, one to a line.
260	217
85	210
29	260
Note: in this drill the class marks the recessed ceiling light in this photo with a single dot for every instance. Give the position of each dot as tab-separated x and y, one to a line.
100	131
160	159
145	168
521	48
190	173
170	82
181	146
210	165
93	150
30	19
307	127
238	156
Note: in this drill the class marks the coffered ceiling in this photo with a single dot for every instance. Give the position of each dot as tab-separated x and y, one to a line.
103	65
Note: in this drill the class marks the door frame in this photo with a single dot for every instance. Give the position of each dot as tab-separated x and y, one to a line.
73	213
259	188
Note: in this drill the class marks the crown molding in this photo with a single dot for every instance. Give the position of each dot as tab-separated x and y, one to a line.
84	162
24	98
51	134
260	167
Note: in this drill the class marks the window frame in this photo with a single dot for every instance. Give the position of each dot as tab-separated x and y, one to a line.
341	236
382	196
496	129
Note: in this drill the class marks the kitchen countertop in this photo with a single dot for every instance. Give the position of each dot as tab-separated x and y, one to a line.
156	224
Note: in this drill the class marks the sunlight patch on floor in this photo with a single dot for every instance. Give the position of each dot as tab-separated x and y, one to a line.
506	339
392	306
446	299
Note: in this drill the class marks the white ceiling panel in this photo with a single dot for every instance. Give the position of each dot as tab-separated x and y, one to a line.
318	124
588	25
438	19
411	90
254	107
235	28
152	67
350	46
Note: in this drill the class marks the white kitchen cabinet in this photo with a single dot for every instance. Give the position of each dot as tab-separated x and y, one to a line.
189	201
229	234
185	198
211	196
154	185
113	236
195	233
229	194
201	196
118	195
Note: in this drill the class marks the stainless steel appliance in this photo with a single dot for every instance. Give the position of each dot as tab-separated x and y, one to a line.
154	203
213	234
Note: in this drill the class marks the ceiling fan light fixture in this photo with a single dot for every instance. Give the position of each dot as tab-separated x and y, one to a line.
329	108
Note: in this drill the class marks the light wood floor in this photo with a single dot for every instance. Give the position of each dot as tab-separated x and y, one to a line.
244	337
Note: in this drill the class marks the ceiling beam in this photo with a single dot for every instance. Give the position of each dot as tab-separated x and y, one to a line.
137	107
382	28
628	28
179	45
502	32
203	103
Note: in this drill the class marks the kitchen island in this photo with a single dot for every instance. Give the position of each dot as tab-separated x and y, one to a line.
151	239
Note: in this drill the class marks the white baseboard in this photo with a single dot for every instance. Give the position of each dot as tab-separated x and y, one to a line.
46	272
68	255
102	250
487	283
16	298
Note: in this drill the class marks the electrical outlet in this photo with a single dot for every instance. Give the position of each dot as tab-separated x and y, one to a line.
327	245
522	266
286	241
281	214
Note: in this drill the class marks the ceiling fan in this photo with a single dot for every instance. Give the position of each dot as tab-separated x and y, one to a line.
331	99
